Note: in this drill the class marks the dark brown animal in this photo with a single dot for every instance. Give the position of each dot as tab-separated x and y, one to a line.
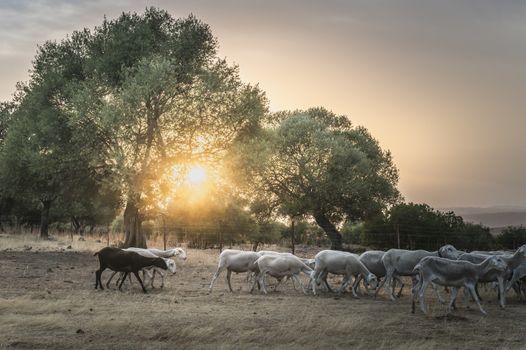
122	261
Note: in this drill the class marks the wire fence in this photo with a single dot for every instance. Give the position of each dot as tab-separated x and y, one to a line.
217	235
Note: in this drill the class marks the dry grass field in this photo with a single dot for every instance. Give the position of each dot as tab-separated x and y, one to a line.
48	301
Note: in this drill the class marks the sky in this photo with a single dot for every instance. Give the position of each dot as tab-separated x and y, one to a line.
441	84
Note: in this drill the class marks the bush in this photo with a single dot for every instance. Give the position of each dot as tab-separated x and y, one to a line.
512	237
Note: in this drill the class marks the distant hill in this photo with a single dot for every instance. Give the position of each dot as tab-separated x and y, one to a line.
496	218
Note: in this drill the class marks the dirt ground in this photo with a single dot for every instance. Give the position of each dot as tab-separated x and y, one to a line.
48	301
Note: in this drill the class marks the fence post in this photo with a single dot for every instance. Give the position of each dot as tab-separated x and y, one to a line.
292	236
397	228
164	230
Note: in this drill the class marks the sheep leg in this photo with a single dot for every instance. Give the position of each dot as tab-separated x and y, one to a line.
139	279
356	285
109	280
228	275
345	283
316	280
98	275
313	280
502	293
353	290
435	289
473	292
119	279
399	294
414	292
256	277
123	279
401	282
325	275
513	280
162	274
421	294
151	276
262	282
216	275
454	292
281	280
388	276
477	291
357	281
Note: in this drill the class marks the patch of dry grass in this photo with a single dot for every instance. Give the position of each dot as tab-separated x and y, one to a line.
41	310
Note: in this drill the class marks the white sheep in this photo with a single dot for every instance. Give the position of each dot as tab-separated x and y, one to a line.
235	261
401	262
372	259
340	263
280	266
452	273
174	252
151	271
309	262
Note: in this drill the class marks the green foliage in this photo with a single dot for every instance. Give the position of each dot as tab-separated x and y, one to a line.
110	111
421	227
316	163
512	237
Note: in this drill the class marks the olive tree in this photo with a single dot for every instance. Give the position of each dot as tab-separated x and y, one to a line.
317	163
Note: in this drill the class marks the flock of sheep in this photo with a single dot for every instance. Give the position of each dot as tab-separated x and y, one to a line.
446	267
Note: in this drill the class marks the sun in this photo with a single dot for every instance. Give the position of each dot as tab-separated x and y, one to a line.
196	175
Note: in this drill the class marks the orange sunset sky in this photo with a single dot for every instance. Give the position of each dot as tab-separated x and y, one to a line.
442	84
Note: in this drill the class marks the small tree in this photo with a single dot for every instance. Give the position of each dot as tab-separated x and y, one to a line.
316	163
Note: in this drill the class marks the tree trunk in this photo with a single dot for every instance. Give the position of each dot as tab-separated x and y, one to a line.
132	226
44	219
330	230
76	224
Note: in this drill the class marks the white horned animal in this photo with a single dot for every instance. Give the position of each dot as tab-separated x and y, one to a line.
280	266
452	273
340	263
235	261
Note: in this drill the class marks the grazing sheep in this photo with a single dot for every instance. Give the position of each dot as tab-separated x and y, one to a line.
280	266
149	253
122	261
400	262
452	273
235	261
512	262
309	262
175	252
372	259
340	263
518	274
449	251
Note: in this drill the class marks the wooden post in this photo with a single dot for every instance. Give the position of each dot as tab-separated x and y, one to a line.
397	228
292	236
164	230
220	236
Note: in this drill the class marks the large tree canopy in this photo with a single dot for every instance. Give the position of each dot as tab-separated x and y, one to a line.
127	101
316	163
